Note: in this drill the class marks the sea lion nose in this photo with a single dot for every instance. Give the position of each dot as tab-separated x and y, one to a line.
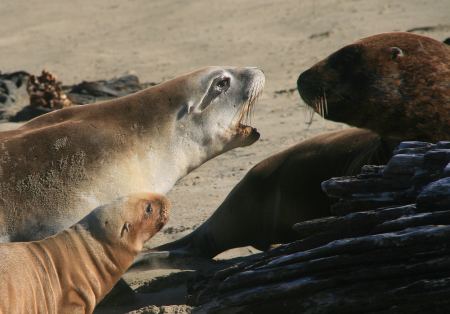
303	79
307	85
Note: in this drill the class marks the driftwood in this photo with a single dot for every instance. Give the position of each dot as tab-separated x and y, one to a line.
386	260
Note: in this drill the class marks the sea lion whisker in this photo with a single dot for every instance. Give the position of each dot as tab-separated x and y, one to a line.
307	111
322	106
247	109
311	114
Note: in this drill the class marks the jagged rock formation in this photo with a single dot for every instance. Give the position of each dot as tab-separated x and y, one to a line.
369	258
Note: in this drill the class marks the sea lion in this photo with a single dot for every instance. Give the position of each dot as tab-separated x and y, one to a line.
279	191
396	86
59	164
70	272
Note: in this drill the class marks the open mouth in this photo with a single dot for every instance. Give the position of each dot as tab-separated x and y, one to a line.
243	124
247	131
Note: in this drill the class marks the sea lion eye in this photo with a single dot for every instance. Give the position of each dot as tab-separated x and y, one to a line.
396	53
223	84
148	209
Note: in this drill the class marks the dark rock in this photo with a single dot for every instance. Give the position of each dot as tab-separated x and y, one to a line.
120	294
372	170
435	196
354	187
446	172
399	182
45	95
443	144
403	164
13	93
28	113
437	159
385	260
89	92
24	96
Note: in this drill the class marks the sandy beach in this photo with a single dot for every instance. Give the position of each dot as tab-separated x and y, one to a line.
160	39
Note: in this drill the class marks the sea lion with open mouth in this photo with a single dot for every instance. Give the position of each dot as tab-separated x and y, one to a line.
73	270
55	167
393	86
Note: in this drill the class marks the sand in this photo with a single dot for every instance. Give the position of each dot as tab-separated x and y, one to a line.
157	40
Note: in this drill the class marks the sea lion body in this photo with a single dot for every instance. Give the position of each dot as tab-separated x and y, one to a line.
394	86
59	164
281	190
73	270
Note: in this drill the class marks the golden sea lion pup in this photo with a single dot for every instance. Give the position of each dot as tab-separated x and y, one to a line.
59	164
73	270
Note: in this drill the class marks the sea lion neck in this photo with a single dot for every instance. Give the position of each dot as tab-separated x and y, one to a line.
91	260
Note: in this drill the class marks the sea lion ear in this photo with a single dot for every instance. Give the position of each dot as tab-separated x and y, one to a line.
186	109
125	228
190	106
396	53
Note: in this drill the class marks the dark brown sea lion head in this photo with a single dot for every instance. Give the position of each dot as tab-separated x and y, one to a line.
396	84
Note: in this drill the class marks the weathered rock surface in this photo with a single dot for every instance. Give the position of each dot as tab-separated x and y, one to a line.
93	91
173	309
383	260
413	166
13	93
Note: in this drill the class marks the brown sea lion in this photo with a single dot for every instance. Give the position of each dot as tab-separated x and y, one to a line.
73	270
279	191
59	164
395	85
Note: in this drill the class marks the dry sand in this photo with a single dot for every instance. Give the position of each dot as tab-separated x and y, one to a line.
87	40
